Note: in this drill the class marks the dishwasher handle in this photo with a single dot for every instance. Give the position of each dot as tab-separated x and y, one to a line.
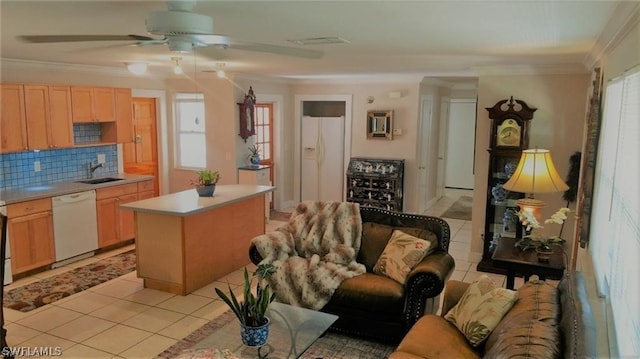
73	198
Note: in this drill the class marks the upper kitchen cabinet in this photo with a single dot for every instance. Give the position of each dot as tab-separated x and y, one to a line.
13	124
124	115
48	113
93	104
61	127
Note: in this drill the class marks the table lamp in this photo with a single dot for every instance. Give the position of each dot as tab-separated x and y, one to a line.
535	173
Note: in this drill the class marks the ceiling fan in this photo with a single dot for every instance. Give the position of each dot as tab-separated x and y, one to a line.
182	30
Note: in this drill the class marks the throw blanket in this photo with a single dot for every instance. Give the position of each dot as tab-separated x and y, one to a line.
314	253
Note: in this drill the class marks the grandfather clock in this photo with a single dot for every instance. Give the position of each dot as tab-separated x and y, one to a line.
510	123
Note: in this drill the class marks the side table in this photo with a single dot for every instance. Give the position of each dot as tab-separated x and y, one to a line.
516	261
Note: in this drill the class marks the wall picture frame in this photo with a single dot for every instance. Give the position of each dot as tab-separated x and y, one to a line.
380	124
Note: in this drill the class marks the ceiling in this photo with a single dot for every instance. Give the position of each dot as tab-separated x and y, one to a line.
385	38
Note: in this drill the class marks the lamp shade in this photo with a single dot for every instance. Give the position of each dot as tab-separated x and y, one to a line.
535	173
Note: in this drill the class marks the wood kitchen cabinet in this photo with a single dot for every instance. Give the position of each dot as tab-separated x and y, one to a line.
146	189
30	228
93	104
48	114
13	124
115	225
124	115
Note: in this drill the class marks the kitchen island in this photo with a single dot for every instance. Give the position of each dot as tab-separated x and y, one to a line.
184	242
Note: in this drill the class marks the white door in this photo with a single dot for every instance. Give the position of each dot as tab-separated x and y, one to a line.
426	156
322	158
460	144
442	146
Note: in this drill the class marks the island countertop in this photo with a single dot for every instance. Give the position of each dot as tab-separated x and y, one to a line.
188	202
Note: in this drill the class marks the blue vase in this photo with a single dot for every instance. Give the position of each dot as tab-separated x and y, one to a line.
255	336
255	160
206	191
499	193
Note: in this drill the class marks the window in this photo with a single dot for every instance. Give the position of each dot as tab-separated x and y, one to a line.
264	131
615	220
190	121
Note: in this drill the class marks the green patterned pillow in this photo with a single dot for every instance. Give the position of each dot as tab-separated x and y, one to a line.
480	309
402	253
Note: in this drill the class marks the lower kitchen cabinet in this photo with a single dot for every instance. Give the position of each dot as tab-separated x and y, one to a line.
31	235
115	225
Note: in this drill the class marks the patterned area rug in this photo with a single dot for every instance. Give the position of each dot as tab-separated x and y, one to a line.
37	294
460	209
331	345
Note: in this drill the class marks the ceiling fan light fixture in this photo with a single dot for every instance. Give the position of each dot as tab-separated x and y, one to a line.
137	68
177	69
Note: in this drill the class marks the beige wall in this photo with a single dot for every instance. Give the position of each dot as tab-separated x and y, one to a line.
557	125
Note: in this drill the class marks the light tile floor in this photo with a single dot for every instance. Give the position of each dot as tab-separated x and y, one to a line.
121	319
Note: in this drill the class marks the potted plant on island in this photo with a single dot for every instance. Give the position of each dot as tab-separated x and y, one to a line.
534	240
251	311
205	183
254	157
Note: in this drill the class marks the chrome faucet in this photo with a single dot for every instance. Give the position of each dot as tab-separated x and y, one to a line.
93	168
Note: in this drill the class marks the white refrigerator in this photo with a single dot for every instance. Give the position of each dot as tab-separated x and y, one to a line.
322	158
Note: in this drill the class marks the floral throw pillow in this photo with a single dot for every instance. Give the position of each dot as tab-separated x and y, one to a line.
402	253
480	309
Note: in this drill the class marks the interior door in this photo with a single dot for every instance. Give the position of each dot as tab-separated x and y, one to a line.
460	144
141	156
322	150
442	146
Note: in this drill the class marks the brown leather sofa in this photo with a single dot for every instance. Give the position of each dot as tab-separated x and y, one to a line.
545	322
374	306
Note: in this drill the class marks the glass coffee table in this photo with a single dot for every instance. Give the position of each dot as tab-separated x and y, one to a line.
292	331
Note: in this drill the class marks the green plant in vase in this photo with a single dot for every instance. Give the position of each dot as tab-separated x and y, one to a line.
254	156
205	182
252	308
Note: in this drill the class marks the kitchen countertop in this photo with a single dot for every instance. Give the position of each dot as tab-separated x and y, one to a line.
188	202
14	195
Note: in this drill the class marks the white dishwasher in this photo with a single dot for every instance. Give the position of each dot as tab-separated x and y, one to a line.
75	225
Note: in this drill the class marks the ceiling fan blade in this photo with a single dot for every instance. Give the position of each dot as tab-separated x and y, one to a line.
79	38
276	49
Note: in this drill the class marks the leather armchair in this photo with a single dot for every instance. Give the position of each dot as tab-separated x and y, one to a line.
377	307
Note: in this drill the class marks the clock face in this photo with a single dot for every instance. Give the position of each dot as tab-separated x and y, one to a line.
509	133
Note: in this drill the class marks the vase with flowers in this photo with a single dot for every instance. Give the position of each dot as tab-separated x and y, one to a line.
535	239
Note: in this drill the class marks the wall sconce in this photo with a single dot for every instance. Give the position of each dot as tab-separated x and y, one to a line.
137	68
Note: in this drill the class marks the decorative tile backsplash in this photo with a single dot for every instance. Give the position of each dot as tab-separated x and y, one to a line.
17	169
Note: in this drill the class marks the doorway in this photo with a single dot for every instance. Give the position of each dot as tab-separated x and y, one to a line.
141	156
460	151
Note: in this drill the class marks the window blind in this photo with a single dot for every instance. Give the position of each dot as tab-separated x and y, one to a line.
615	224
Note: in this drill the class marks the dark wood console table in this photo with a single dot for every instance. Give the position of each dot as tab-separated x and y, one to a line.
525	263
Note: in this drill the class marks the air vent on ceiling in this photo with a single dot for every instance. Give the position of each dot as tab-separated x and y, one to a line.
319	41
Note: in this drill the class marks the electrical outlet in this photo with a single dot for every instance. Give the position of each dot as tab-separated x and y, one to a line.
36	166
101	158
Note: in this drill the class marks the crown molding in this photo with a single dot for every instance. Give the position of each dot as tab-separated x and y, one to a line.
551	69
625	17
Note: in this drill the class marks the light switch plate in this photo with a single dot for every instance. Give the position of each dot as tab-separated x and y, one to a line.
101	158
397	131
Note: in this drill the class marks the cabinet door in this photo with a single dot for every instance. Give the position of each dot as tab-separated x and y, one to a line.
61	125
13	124
36	100
31	241
104	109
124	115
108	221
81	104
126	217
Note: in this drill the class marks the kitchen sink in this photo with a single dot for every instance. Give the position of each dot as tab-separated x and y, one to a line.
100	180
